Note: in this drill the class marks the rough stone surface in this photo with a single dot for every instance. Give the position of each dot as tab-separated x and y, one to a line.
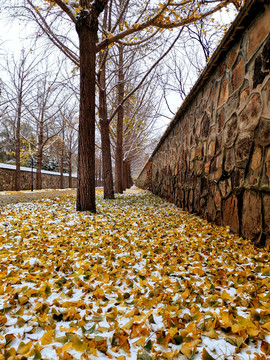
266	212
256	159
266	100
230	131
251	215
262	134
229	162
262	65
258	32
230	213
215	157
238	75
250	116
224	92
242	148
267	164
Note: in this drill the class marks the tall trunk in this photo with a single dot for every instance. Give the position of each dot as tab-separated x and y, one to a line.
105	133
87	31
70	170
104	123
129	177
106	159
119	132
39	157
62	159
18	144
124	177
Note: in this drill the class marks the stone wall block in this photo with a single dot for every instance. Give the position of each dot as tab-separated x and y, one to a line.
231	105
266	214
218	199
262	133
244	95
212	148
220	120
224	92
232	57
211	209
218	165
229	162
238	74
254	172
259	32
225	187
249	117
266	100
217	90
251	219
262	65
230	131
238	178
205	127
230	213
243	147
267	166
256	159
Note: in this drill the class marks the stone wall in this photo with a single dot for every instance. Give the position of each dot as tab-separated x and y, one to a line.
214	158
50	180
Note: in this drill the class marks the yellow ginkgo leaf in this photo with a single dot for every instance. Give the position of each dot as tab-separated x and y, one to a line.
47	337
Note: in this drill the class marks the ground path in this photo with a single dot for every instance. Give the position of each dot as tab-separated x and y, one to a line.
13	197
140	279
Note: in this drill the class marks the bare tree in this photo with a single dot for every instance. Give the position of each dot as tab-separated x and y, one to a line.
47	100
21	77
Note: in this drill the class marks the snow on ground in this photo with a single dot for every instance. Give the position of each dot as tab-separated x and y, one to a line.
140	279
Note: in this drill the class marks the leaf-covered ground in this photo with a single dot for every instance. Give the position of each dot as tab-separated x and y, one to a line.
141	279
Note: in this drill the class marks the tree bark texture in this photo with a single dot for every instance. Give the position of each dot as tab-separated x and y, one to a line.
87	31
127	179
105	135
39	156
119	131
87	27
62	158
18	144
70	170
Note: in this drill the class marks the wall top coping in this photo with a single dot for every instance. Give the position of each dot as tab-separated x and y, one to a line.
13	167
246	15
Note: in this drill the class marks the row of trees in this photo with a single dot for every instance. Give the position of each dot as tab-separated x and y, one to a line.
121	43
38	117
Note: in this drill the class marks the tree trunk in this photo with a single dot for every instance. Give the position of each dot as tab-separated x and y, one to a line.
129	177
120	119
39	157
70	170
87	31
124	177
62	158
39	166
106	160
105	133
18	145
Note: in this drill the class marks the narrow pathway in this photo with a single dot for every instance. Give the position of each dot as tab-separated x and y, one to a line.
139	280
